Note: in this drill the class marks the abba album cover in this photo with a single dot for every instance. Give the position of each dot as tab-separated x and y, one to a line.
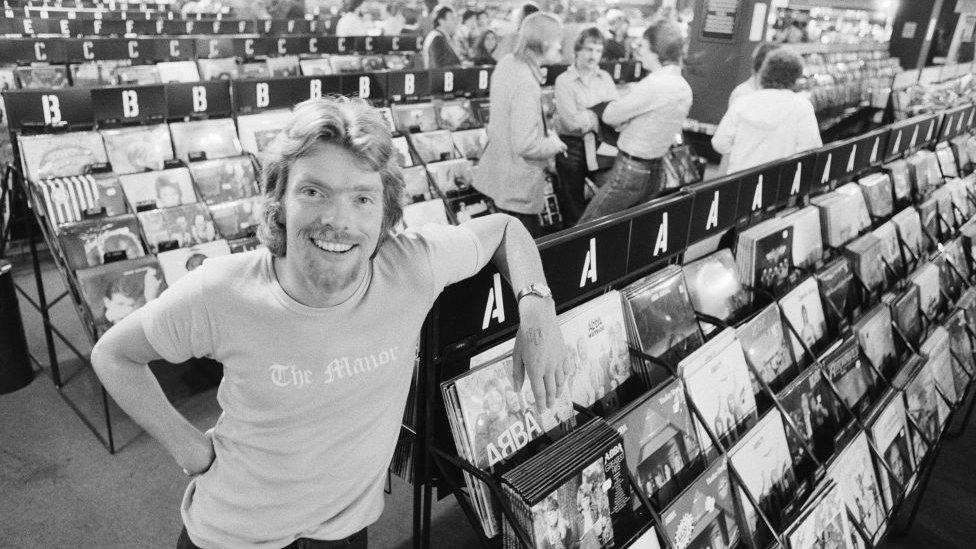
60	154
75	198
97	241
773	260
577	513
114	290
162	189
138	148
216	138
224	179
238	218
178	227
176	263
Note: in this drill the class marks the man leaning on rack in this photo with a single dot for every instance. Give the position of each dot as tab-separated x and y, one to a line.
317	335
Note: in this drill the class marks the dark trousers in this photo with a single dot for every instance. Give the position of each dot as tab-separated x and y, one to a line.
631	181
571	168
531	222
355	541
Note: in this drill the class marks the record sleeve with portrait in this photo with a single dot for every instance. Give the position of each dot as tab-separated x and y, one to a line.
178	71
259	130
470	143
138	148
876	339
42	76
61	154
818	416
823	524
764	255
837	288
889	431
452	176
456	115
719	383
224	179
762	459
115	290
79	197
96	241
853	472
660	443
415	118
807	239
803	309
217	138
766	349
176	263
238	218
704	515
715	288
433	146
162	189
224	68
178	227
661	318
851	377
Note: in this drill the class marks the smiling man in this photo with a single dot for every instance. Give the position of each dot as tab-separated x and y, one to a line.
317	335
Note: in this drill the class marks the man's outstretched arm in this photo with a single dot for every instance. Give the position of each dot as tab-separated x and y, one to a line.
539	350
121	361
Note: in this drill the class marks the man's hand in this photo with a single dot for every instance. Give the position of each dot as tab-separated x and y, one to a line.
539	351
197	457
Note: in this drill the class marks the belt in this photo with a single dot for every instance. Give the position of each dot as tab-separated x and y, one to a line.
639	159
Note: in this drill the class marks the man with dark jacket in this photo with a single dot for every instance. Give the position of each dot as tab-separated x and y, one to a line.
437	51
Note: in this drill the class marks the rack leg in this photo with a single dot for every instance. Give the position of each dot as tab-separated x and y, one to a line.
108	422
41	297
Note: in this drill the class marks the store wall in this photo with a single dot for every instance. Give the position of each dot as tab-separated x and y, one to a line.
908	36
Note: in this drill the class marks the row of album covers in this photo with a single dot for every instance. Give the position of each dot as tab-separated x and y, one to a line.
132	209
805	373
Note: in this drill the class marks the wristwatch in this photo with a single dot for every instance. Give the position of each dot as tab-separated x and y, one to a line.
537	289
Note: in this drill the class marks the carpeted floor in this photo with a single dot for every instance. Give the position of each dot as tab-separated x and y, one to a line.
61	488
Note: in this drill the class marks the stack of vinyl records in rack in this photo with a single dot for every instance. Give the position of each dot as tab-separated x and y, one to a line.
764	254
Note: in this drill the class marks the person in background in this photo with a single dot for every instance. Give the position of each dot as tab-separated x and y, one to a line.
583	85
649	117
512	169
426	22
616	46
771	123
351	21
394	19
484	48
752	84
438	48
466	33
508	40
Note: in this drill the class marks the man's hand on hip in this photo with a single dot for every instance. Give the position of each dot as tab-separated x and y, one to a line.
197	457
539	351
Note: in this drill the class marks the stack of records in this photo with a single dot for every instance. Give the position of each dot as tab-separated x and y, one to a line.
901	179
961	350
904	308
214	138
807	240
875	337
452	176
471	143
93	242
239	218
282	66
138	148
162	189
926	277
415	118
762	459
887	233
224	68
877	194
456	115
661	321
889	431
258	131
316	67
178	71
71	199
714	288
804	311
94	74
60	155
936	348
946	159
909	226
852	379
853	472
823	523
704	515
597	349
346	63
764	254
924	406
224	179
433	146
114	290
837	287
719	383
177	227
176	263
660	443
573	493
42	77
842	216
766	349
136	75
865	256
818	417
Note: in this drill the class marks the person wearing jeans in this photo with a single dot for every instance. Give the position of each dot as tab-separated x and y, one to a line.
649	118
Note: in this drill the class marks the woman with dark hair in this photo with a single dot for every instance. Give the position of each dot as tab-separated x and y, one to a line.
484	47
649	117
771	123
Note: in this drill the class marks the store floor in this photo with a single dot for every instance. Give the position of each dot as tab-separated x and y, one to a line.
61	488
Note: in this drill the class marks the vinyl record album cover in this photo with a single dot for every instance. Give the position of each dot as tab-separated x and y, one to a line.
853	472
95	74
961	346
803	309
452	176
762	459
925	407
433	146
176	263
456	115
864	254
836	285
909	227
42	76
889	430
224	68
346	63
415	118
807	241
876	339
470	205
183	226
74	198
401	150
224	179
850	376
766	349
246	244
258	131
936	348
421	213
90	243
773	260
416	184
661	315
877	194
216	138
238	218
471	143
178	71
579	510
137	75
825	524
162	189
283	66
817	415
62	154
891	253
138	148
926	277
114	290
316	67
714	287
704	515
900	179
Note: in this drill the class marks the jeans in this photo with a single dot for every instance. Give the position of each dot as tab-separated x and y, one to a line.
631	181
355	541
571	168
530	221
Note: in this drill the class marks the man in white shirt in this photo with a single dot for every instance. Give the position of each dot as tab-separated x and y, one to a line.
316	368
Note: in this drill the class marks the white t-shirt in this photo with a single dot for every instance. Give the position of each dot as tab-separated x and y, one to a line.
351	24
311	398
